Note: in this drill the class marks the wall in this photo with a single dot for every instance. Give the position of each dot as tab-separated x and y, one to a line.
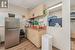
73	8
73	26
72	29
2	30
61	36
65	38
57	13
50	3
56	31
72	23
18	11
14	9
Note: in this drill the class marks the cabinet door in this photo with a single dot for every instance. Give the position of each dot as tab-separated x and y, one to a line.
31	14
37	11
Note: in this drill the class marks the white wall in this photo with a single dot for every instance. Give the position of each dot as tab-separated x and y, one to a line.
72	29
73	23
14	9
73	26
66	26
50	3
56	31
73	8
57	13
61	36
2	26
2	35
18	11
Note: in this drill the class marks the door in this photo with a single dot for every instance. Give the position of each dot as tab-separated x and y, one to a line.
11	37
11	23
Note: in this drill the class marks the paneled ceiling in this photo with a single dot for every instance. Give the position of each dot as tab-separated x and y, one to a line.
32	3
27	3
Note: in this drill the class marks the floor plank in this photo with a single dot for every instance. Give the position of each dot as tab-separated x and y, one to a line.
2	46
73	43
25	45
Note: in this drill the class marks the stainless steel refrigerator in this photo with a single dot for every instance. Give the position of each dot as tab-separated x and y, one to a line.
12	32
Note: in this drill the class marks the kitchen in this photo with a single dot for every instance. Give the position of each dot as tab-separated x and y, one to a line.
34	23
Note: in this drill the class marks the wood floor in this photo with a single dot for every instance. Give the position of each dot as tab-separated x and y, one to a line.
2	46
26	45
73	44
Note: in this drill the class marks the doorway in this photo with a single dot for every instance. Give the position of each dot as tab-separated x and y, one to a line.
72	24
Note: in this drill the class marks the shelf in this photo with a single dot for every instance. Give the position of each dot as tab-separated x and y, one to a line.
39	16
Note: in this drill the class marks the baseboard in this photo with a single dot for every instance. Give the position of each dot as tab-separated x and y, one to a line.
33	44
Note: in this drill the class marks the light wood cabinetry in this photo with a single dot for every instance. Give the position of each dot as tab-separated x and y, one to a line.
35	36
38	11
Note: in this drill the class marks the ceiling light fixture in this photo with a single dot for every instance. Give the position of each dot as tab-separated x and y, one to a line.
55	6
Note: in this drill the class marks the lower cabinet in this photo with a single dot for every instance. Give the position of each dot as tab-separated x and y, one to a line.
35	36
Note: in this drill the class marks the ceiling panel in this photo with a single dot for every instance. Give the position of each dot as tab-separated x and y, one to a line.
32	3
27	3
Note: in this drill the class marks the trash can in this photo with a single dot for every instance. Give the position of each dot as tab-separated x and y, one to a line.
46	42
